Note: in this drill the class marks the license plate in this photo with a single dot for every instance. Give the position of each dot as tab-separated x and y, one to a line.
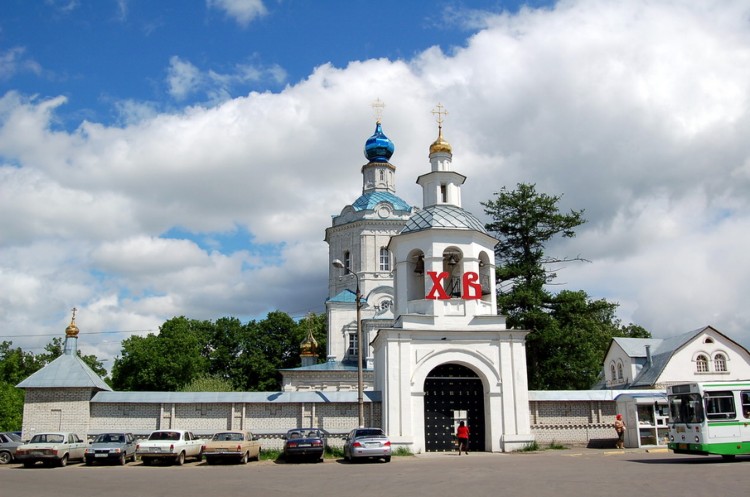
372	444
305	445
101	455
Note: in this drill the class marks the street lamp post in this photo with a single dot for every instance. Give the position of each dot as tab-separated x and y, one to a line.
360	373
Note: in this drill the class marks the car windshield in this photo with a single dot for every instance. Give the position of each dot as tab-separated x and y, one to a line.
165	435
228	437
110	438
53	438
301	433
13	437
369	433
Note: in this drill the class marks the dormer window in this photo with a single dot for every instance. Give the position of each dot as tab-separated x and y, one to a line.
708	340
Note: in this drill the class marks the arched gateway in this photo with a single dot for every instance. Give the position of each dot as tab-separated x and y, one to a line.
452	393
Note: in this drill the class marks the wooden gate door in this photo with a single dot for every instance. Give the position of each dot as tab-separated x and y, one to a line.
450	388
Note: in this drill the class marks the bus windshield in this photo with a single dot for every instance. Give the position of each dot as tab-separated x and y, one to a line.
686	408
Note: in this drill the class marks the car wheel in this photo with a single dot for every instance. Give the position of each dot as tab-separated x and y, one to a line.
63	461
146	462
257	455
244	458
180	459
123	459
5	457
88	462
28	464
387	458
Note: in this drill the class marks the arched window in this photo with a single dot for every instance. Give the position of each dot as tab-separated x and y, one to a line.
385	259
720	363
619	370
701	364
612	370
708	340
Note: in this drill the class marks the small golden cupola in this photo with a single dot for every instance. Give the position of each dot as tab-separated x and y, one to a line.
72	329
440	145
309	348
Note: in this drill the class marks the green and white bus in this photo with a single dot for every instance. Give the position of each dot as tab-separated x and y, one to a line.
711	418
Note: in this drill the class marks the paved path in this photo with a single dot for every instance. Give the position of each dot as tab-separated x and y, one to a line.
563	473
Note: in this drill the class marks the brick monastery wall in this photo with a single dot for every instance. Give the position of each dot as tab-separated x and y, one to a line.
573	422
564	422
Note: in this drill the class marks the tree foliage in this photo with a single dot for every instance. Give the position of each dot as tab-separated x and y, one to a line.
570	331
191	354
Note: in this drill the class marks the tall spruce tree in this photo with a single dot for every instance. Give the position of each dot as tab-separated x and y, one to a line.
569	331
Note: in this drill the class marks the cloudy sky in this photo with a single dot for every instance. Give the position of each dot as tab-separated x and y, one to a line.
184	157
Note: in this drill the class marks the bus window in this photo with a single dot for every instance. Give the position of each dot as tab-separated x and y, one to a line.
686	408
745	398
720	405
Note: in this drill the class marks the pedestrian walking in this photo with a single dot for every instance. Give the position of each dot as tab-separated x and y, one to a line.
620	430
462	433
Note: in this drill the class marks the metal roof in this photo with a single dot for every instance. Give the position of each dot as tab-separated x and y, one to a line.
230	397
346	296
67	371
445	217
369	200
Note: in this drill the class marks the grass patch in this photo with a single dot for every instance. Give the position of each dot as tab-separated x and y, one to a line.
402	451
270	454
530	447
534	447
334	452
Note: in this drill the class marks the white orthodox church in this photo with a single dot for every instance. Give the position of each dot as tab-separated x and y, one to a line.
434	345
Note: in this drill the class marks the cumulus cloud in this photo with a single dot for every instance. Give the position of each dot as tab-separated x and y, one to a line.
185	79
636	112
242	11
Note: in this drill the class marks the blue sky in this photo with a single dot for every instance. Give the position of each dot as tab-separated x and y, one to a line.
185	157
102	53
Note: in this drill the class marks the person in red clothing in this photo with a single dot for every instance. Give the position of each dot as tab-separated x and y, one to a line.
462	433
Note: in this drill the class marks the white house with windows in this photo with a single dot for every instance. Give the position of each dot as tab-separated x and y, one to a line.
704	354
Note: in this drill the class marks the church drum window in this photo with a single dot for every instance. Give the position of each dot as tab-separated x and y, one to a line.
385	259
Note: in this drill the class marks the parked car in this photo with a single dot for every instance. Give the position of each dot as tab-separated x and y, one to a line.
169	445
8	443
239	446
308	443
111	447
371	443
55	448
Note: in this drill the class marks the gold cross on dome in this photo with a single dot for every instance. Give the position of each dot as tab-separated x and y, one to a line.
440	112
378	106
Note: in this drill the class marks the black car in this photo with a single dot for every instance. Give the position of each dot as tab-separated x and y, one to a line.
305	443
111	447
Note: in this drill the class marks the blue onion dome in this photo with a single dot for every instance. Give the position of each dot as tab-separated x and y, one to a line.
378	148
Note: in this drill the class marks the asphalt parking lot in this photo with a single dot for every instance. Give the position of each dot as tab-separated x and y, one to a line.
563	473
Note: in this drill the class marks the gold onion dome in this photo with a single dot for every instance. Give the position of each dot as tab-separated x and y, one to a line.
440	145
309	346
72	329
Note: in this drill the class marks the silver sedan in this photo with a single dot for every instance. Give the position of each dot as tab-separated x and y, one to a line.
370	443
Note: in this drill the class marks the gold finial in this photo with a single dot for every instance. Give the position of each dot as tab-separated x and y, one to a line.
72	329
378	107
440	145
309	346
